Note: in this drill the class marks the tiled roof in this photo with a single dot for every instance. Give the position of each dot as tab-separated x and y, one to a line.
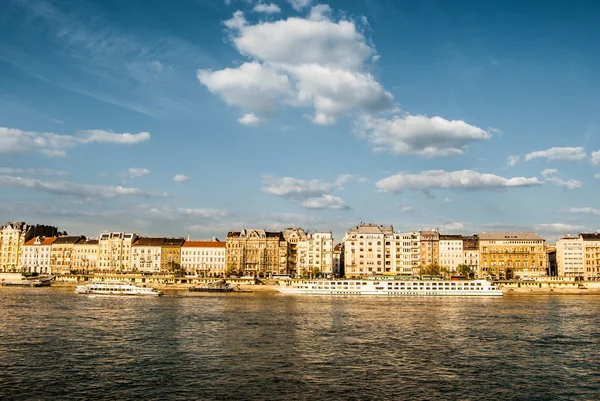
204	244
590	236
149	241
177	242
509	236
89	242
68	240
450	237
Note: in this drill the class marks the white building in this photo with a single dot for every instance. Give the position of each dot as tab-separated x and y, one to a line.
115	251
451	251
204	258
407	253
36	255
146	255
591	249
570	256
85	256
315	254
12	240
364	250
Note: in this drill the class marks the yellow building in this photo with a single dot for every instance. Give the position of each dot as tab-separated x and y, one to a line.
12	239
591	253
430	247
85	256
61	254
114	251
257	253
170	255
506	256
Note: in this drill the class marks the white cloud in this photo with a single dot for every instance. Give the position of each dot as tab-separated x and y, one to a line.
74	189
462	180
513	160
14	140
181	178
138	172
405	209
452	227
558	153
252	87
596	158
319	12
299	4
311	194
238	21
549	172
343	179
249	120
569	184
326	201
597	176
560	228
583	210
33	171
421	135
267	8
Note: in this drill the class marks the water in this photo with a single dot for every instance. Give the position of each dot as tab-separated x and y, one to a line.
58	345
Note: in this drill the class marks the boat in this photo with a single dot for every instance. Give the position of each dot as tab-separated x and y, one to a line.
218	286
115	288
29	282
390	287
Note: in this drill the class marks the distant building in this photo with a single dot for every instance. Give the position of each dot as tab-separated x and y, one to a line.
338	260
364	250
506	255
61	254
204	258
170	258
451	251
297	258
13	236
430	247
591	249
146	254
256	252
85	254
317	254
471	253
36	255
552	270
570	254
114	251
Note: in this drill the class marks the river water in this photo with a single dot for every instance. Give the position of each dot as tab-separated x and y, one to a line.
55	344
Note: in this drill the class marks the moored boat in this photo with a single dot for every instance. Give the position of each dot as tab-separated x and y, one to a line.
219	286
391	287
115	288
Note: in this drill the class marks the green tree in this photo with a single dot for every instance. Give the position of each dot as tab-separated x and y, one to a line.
431	270
464	270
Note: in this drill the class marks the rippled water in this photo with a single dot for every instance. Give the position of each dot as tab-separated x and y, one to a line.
58	345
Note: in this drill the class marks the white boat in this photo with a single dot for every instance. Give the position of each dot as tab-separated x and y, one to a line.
115	288
391	287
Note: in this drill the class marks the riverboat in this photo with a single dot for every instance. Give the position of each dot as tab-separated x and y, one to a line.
391	287
115	288
219	286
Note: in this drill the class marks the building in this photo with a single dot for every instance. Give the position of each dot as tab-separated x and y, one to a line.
256	252
297	245
36	255
114	251
61	254
591	250
407	253
471	253
13	236
451	251
316	255
570	260
146	254
506	256
170	258
85	254
552	270
430	251
338	260
364	250
204	258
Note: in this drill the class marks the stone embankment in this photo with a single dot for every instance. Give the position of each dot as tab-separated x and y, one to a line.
553	287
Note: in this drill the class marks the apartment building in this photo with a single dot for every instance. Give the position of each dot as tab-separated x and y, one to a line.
570	254
430	247
256	252
591	250
61	254
114	251
451	251
506	255
85	256
146	254
36	255
204	258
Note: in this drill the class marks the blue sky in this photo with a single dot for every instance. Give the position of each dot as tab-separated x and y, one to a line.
169	118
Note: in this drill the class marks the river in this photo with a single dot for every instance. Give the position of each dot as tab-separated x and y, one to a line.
55	344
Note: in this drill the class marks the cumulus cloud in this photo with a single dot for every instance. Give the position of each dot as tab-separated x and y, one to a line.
311	194
462	180
87	191
343	179
249	120
329	74
13	140
33	171
549	172
181	178
558	153
597	176
299	4
596	158
569	184
513	160
452	227
138	172
421	135
405	209
583	210
560	228
266	8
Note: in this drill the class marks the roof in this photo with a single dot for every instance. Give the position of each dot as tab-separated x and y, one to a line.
370	228
176	242
15	225
88	242
262	234
503	236
149	241
590	236
450	237
470	242
68	240
44	241
204	244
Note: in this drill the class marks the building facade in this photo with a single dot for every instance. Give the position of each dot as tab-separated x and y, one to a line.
506	256
315	255
170	258
36	255
364	250
406	253
430	247
591	249
451	252
338	260
114	251
471	253
146	255
13	236
256	252
85	256
570	254
204	258
61	254
297	258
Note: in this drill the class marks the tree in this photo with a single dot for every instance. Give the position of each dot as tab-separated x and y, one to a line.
175	268
431	270
464	270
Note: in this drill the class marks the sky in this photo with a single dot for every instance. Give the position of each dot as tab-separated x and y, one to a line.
196	117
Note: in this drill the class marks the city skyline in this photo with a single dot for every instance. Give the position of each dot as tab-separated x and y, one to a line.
204	117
